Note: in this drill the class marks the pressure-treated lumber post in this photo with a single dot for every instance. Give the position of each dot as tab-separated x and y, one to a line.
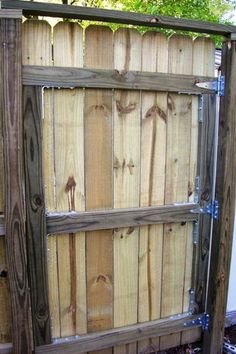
225	194
15	214
35	210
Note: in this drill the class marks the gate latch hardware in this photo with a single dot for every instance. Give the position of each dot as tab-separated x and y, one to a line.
229	348
203	320
212	209
218	85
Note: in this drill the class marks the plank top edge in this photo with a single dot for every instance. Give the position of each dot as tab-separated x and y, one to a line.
115	16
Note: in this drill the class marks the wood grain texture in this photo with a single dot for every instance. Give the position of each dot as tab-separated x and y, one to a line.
86	13
98	181
5	314
153	161
225	194
15	213
205	48
36	50
35	210
102	220
5	308
127	55
120	79
69	181
123	335
177	184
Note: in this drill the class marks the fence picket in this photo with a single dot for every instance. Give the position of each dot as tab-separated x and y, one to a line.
98	182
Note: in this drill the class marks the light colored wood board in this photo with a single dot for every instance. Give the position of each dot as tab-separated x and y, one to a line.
178	148
98	181
191	336
5	311
50	200
203	56
188	267
98	149
170	341
148	346
99	280
53	294
153	159
104	351
150	271
127	56
36	43
126	348
174	267
69	178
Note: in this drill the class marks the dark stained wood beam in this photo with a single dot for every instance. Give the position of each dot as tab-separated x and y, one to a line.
225	194
95	78
122	335
113	16
59	223
36	218
15	212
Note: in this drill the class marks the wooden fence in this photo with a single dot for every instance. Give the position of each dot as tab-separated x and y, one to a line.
112	167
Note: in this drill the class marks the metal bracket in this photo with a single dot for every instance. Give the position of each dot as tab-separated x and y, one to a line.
200	109
195	232
229	348
212	209
197	189
218	85
203	320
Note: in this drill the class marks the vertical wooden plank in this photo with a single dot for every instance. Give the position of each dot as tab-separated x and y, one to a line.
225	194
15	213
69	181
153	159
98	182
36	218
127	56
177	184
5	312
37	50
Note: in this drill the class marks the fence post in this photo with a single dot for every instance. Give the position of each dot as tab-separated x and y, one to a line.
15	212
225	194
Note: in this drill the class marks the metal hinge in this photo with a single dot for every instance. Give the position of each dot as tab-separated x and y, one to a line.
203	320
229	348
211	209
218	85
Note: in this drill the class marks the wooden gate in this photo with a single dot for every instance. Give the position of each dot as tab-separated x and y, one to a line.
119	169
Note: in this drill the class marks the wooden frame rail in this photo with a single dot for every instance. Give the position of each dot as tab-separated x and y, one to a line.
117	336
94	78
59	223
131	18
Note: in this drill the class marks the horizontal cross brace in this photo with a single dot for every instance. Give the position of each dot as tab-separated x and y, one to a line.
71	222
123	335
113	16
66	77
